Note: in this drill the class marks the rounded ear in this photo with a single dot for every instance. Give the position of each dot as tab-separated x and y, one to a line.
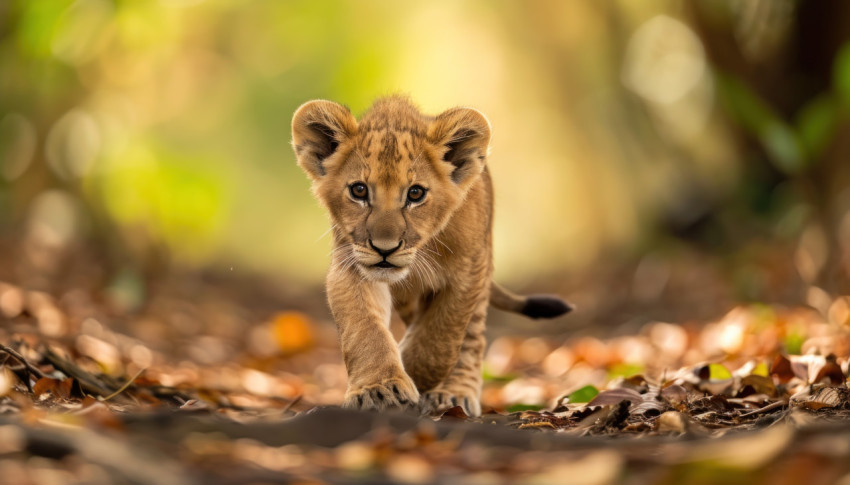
465	134
318	128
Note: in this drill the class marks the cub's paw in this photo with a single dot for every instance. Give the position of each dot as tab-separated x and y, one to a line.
395	393
439	400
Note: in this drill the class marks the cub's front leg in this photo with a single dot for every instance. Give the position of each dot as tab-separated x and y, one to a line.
376	378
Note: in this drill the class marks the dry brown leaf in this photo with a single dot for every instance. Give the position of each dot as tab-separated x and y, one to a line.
43	385
675	395
755	384
781	368
671	422
831	372
7	381
826	397
68	388
538	425
456	412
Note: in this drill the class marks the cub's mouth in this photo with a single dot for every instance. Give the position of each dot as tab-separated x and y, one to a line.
389	268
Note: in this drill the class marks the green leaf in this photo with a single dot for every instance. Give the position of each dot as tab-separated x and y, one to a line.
841	76
515	408
585	394
783	147
624	370
742	104
718	372
760	120
794	343
816	123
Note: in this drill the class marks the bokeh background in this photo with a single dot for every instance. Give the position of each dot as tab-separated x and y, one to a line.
658	152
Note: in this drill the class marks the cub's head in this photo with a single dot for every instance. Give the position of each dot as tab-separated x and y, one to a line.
390	181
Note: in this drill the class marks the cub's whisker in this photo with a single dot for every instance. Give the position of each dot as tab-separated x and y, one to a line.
325	233
444	244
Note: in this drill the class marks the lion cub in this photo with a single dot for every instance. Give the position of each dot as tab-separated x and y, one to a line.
411	203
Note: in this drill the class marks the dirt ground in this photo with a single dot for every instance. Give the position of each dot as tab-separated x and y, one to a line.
189	377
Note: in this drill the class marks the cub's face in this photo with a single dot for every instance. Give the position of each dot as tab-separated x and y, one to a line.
390	182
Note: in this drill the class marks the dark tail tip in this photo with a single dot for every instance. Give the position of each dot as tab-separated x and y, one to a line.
545	306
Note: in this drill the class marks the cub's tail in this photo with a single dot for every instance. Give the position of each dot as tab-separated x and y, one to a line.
532	306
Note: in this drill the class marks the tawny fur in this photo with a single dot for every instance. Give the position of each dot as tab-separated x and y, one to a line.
440	278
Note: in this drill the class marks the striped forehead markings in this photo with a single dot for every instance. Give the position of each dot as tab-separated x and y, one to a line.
389	153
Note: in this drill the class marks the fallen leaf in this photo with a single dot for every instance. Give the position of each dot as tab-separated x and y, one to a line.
717	404
649	406
825	397
69	388
718	372
538	425
756	384
293	332
614	396
7	381
636	382
671	422
831	371
781	368
456	412
43	385
584	394
675	395
761	370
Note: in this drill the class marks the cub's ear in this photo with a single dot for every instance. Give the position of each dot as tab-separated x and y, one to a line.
318	128
465	134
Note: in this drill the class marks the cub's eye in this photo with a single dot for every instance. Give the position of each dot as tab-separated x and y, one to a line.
415	193
359	191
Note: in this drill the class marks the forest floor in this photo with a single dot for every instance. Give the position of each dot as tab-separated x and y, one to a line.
222	379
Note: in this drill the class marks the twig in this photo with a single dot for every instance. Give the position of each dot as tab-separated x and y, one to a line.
769	407
125	386
89	382
30	368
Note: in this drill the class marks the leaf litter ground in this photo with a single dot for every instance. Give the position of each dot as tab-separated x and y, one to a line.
206	384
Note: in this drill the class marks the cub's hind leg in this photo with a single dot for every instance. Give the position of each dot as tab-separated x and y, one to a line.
462	387
431	345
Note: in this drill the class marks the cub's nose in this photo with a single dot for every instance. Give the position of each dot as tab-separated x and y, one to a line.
384	247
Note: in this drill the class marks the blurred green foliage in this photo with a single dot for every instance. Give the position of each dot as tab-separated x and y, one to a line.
616	124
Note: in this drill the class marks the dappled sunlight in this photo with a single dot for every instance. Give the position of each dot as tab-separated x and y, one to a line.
194	115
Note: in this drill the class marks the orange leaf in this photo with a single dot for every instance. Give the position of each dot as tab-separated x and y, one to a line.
43	385
65	389
781	368
832	371
293	332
